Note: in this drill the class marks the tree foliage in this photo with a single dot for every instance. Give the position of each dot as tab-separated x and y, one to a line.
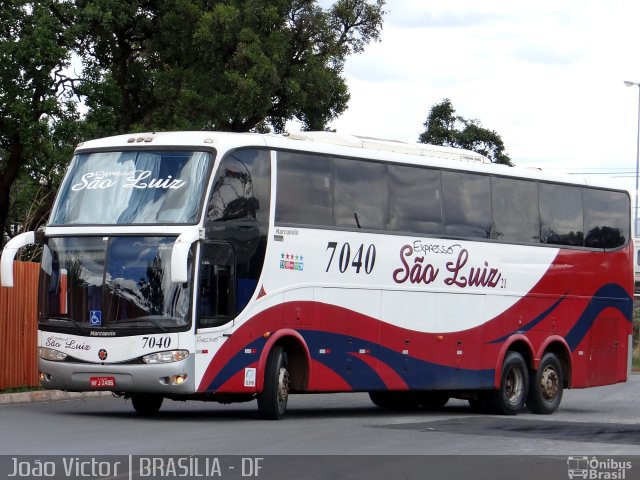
149	65
444	127
232	65
35	114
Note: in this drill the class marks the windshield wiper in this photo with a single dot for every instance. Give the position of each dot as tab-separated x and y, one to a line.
152	319
68	320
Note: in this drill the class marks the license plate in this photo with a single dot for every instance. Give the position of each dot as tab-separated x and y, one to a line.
102	382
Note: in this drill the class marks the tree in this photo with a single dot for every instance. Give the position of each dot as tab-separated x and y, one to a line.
34	50
443	127
234	65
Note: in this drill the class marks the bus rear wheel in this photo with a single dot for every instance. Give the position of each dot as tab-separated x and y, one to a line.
510	398
146	403
545	391
272	402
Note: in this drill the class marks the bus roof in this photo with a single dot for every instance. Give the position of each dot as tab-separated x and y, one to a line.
339	144
318	138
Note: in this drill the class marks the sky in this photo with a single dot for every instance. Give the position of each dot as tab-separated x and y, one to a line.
547	76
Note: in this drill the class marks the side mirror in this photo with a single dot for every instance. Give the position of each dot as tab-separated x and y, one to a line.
9	253
180	254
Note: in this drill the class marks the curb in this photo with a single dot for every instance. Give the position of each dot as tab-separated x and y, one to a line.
57	395
45	396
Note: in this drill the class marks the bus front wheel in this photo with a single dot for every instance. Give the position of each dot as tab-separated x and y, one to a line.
146	404
514	383
545	392
272	402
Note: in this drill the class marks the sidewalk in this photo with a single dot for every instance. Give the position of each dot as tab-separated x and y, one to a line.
45	396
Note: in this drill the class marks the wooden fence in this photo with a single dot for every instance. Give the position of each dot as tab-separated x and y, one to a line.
19	328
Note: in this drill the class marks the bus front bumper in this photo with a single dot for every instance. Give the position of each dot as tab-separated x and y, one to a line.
174	378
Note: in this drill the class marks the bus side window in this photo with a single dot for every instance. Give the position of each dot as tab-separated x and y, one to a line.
561	216
606	222
467	204
216	295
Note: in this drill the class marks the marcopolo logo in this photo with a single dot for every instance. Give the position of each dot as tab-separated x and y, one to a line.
597	468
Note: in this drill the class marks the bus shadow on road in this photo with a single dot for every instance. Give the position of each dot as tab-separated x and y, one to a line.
614	433
199	411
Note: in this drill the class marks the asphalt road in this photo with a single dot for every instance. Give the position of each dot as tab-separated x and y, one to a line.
600	422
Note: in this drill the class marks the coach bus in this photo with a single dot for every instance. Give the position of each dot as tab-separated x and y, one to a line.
232	267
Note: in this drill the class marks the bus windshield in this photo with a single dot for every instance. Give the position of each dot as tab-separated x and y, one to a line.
111	282
133	187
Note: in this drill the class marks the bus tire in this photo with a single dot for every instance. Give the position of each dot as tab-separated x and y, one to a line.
146	403
510	397
272	402
545	391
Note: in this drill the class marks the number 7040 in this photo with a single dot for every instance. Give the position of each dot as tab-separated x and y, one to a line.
363	260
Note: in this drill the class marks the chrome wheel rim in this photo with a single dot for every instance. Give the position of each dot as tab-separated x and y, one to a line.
549	383
514	386
283	389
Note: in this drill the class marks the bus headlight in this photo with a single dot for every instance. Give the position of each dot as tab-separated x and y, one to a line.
51	354
166	357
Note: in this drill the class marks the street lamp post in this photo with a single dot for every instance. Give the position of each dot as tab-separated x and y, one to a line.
635	211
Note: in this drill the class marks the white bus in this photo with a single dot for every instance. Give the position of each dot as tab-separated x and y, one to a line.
232	267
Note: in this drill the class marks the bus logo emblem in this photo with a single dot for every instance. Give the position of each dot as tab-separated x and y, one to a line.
95	318
102	354
578	467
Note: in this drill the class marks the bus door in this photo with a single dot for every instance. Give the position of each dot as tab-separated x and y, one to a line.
215	304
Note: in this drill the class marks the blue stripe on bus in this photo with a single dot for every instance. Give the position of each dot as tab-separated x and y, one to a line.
533	322
416	373
358	374
239	362
611	295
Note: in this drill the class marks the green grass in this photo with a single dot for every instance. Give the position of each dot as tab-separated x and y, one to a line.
20	389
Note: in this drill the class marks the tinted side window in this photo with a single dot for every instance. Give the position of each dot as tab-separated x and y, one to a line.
360	194
606	219
242	187
467	204
304	189
415	200
561	214
515	210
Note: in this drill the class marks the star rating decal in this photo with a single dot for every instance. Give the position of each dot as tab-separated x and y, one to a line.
291	261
